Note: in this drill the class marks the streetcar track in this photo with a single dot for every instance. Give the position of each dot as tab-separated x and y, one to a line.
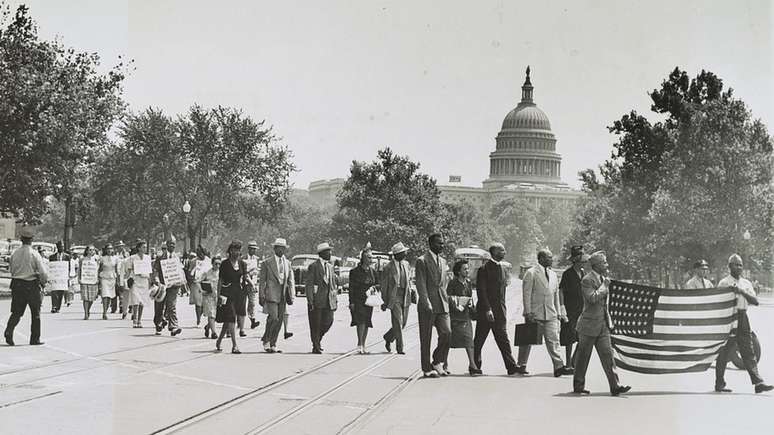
262	390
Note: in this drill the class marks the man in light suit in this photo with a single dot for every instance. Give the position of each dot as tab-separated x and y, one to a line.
540	290
433	307
397	295
276	291
321	295
491	283
594	326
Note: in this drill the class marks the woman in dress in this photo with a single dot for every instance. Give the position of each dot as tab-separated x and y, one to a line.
195	288
460	295
209	285
232	298
138	271
361	279
108	272
89	290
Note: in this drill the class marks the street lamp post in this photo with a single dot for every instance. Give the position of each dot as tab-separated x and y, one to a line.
747	262
186	211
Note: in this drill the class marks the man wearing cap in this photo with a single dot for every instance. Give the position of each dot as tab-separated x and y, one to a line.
743	339
492	282
572	298
58	295
433	307
28	275
594	326
699	278
276	291
321	295
397	296
252	261
170	300
542	304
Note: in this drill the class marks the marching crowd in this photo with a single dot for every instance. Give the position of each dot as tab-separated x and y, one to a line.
225	291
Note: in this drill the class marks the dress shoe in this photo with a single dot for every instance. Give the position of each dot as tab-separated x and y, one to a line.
275	350
267	348
236	351
176	331
288	335
158	329
581	391
761	388
400	352
522	370
620	389
431	374
214	335
722	388
254	323
474	371
53	310
163	324
9	339
563	371
242	334
438	368
316	351
40	343
388	346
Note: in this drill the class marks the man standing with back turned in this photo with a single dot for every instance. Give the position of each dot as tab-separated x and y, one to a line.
28	274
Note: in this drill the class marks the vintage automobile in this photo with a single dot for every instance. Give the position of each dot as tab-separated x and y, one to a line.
300	264
476	258
48	249
6	249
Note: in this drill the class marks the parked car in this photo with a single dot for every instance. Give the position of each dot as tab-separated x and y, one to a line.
6	249
48	249
300	264
476	258
78	250
345	265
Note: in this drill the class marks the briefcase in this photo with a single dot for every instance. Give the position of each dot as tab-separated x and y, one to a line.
527	333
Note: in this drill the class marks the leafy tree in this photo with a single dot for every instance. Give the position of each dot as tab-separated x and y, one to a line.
668	194
386	201
222	162
55	112
517	226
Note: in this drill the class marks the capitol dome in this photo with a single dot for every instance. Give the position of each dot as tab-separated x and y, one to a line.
527	116
526	147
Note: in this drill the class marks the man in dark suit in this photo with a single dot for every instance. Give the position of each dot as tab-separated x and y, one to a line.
276	291
492	282
397	295
572	299
58	295
169	308
594	326
433	307
321	295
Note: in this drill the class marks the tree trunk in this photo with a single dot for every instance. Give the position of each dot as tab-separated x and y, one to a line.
69	223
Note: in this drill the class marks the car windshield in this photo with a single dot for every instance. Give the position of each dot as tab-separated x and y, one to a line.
302	262
350	262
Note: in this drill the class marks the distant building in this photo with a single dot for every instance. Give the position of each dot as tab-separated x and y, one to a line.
523	165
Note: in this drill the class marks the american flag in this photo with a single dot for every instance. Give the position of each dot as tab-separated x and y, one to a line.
669	331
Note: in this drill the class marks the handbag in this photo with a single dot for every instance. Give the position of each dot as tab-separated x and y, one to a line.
527	334
374	298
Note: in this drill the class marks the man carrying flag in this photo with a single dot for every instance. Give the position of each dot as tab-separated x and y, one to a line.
745	295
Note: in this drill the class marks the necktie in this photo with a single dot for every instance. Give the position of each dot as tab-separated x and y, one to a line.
546	271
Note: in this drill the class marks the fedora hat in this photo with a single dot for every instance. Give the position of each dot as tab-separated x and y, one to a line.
324	247
252	244
701	264
279	241
26	233
120	243
398	248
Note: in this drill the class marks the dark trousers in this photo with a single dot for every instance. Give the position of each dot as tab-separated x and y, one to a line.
498	328
56	299
442	324
744	343
399	317
24	294
114	301
320	321
275	314
170	307
605	352
158	313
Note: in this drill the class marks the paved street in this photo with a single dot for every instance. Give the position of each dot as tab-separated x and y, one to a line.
99	376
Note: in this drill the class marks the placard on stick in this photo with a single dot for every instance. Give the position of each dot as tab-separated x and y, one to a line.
89	269
58	275
172	270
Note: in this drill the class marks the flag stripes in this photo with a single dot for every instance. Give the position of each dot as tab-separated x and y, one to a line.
669	330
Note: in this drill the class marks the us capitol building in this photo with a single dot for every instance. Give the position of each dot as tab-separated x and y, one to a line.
523	165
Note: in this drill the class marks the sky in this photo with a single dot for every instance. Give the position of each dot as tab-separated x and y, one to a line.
433	80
